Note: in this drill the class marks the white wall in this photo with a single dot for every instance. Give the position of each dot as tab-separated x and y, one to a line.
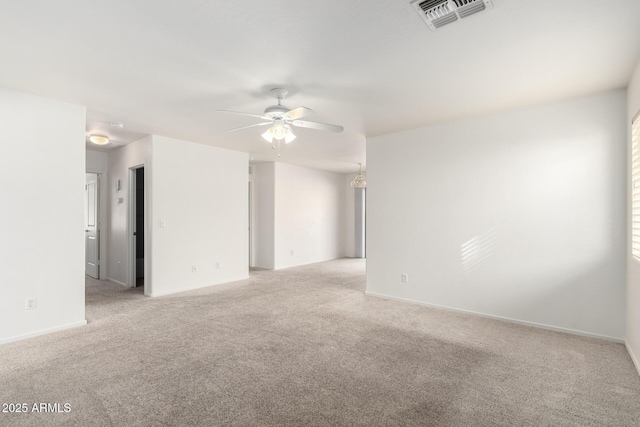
42	169
98	162
309	215
633	280
519	215
120	162
201	194
264	210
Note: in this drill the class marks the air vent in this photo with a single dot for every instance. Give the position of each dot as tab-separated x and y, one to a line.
437	13
469	7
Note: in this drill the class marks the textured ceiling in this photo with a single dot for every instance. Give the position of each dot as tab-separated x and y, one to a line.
373	66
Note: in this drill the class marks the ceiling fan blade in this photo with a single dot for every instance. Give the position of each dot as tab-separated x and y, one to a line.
246	114
297	113
316	125
248	126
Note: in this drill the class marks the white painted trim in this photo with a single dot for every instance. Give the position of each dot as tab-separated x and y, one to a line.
103	259
633	357
43	332
161	294
262	267
504	319
118	282
252	221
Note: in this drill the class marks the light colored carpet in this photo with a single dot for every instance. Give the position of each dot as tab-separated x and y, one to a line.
305	346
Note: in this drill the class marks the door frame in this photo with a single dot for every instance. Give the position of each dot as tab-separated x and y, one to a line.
102	214
97	225
251	207
131	224
360	224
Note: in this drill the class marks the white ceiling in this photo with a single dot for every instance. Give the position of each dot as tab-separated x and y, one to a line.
373	66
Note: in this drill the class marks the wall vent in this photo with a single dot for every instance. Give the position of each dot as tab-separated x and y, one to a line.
437	13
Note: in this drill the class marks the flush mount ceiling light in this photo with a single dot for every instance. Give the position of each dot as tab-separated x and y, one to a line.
360	181
99	139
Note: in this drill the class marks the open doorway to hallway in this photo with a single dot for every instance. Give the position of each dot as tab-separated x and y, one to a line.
360	223
92	225
250	226
137	227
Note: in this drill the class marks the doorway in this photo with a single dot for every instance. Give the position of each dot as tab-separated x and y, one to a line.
250	214
361	222
92	225
137	227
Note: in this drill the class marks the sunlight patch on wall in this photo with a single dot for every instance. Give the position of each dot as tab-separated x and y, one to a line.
475	251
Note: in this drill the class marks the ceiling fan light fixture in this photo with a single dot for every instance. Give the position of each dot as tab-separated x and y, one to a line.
279	132
268	135
289	136
99	139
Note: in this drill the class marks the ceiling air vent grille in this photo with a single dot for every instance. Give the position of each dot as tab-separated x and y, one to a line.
437	13
469	7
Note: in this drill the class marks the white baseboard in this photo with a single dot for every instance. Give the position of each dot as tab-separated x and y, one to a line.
43	332
118	282
193	288
633	357
504	319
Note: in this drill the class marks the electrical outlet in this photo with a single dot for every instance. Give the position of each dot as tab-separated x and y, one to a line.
404	277
217	266
194	269
30	304
291	251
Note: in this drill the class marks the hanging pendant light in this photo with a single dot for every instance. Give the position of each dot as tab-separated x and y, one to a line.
360	181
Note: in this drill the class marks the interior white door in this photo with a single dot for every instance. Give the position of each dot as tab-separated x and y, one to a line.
91	247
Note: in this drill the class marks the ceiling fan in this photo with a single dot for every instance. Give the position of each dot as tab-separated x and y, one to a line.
281	118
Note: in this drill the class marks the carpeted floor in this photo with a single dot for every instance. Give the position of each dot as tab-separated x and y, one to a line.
305	346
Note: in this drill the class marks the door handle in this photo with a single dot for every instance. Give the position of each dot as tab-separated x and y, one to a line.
86	231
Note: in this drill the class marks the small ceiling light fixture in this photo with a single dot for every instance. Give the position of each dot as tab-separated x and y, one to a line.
360	181
99	139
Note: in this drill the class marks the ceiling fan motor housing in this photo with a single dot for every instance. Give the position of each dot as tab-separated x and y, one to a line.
275	111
